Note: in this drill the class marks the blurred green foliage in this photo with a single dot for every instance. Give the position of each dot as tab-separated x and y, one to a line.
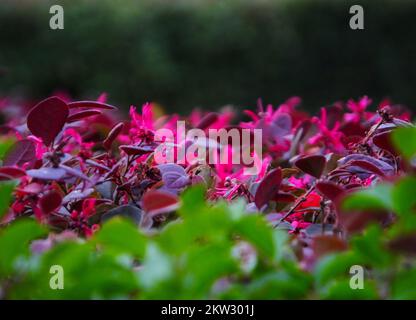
205	53
195	257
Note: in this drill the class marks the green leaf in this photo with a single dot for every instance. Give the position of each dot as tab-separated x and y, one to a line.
5	146
255	229
193	200
176	237
14	242
203	266
370	249
6	190
278	285
157	268
283	251
341	290
88	274
335	266
403	285
404	200
405	140
374	198
122	236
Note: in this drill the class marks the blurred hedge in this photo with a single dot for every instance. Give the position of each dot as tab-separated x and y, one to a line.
184	54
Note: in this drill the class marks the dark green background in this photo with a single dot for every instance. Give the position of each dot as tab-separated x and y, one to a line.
184	54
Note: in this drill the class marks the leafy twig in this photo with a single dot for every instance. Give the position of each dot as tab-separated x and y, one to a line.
297	204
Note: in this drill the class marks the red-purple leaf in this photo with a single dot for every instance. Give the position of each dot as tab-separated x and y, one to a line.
329	189
11	172
325	244
47	119
90	105
367	166
22	151
115	131
50	202
82	115
304	126
268	188
382	165
312	165
285	197
155	202
136	150
31	188
4	177
383	141
405	244
356	221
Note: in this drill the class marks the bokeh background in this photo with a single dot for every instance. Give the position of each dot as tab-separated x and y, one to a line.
206	53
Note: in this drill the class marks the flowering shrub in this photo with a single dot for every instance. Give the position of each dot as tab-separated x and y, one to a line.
81	189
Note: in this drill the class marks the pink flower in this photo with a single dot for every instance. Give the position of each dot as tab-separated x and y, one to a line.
102	98
143	120
358	109
331	138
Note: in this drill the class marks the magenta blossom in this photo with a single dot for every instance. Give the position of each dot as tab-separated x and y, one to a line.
358	110
329	137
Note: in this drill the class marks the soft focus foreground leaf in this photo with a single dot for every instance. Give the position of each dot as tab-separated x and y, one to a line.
6	189
341	290
254	229
102	276
193	199
370	248
375	198
122	236
5	147
335	266
157	269
403	285
405	140
14	243
404	199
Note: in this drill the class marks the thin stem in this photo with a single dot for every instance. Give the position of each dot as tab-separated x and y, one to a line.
297	204
371	132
